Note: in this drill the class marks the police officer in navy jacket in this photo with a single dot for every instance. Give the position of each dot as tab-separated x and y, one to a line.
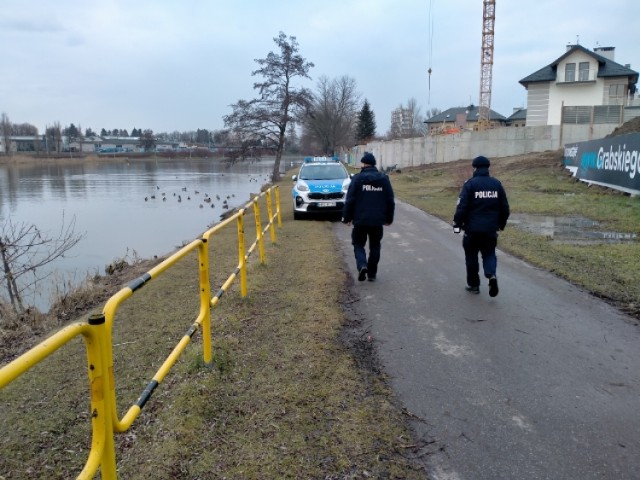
369	206
482	210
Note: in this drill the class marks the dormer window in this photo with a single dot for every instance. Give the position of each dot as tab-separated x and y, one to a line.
583	72
570	72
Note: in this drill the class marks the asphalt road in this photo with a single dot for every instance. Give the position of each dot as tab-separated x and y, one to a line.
540	382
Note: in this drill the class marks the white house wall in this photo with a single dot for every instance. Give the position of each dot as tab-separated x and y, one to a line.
87	147
577	57
537	104
574	93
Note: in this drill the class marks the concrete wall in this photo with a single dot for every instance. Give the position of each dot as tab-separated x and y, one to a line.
499	142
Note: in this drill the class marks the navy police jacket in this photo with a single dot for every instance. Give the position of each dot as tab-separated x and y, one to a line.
370	199
482	205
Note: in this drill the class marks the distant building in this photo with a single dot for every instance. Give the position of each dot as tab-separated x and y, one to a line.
581	86
457	119
38	143
168	146
22	144
86	144
402	122
113	144
518	118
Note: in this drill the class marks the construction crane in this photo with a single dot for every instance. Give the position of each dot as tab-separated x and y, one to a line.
486	63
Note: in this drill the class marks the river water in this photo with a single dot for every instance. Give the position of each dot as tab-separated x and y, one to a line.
111	202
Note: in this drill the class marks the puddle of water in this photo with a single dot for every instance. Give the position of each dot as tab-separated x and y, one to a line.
574	230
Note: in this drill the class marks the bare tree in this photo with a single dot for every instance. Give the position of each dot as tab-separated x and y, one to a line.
24	250
73	135
417	121
406	121
432	112
5	132
57	136
48	139
53	138
332	116
266	117
292	145
239	147
24	129
147	140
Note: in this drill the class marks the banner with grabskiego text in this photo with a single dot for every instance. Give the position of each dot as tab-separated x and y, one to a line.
612	162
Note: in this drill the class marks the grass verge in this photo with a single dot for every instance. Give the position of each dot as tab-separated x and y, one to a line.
287	396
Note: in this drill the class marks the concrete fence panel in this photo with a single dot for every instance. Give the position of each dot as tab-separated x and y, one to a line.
498	142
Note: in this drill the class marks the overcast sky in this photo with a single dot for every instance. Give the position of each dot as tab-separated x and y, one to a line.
178	65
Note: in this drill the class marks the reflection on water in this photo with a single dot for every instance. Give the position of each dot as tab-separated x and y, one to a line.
107	199
574	230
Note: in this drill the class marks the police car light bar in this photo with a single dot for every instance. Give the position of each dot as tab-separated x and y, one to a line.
320	159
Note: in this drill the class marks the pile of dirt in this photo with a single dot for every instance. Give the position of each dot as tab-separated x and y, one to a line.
632	126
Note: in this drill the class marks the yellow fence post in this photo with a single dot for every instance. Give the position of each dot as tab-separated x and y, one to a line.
205	299
272	228
259	236
241	255
278	206
102	454
103	447
109	311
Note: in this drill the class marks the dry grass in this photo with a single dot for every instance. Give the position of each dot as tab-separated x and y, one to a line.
287	396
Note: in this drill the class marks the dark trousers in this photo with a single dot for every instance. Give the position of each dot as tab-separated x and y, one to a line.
485	245
359	236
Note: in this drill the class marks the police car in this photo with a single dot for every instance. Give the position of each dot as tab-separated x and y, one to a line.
320	187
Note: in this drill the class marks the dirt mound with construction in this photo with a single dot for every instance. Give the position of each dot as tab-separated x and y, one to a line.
632	126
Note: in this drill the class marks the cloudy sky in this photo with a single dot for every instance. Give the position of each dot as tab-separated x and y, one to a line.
178	64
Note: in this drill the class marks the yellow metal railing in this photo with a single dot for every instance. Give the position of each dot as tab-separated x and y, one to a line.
97	334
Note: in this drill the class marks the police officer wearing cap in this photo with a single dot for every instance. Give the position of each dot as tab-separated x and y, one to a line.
369	206
482	210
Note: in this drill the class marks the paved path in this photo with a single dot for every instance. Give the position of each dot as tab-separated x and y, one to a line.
541	382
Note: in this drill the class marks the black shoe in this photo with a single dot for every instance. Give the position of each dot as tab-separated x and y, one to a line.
371	278
493	286
475	289
362	274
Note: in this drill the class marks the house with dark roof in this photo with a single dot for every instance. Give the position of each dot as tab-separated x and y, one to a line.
457	119
518	118
579	83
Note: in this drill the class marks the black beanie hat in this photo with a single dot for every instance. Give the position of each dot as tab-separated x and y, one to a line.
368	158
480	161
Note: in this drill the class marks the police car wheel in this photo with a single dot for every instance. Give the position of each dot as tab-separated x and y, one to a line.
297	215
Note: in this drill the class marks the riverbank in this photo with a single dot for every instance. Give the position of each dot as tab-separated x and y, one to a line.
288	397
295	393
